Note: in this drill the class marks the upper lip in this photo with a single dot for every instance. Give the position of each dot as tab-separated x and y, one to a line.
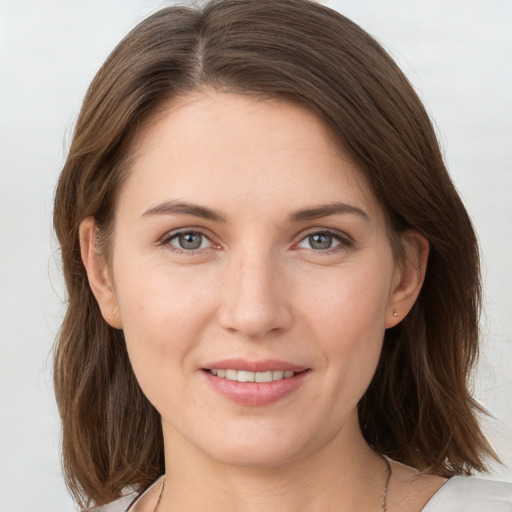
263	365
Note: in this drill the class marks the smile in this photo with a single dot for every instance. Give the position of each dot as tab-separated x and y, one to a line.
246	376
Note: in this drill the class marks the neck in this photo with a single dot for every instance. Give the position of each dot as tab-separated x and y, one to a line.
344	475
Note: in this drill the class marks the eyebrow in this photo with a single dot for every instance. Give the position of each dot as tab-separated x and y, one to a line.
326	210
179	208
317	212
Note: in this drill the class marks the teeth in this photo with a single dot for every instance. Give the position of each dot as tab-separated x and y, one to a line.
232	374
244	376
263	377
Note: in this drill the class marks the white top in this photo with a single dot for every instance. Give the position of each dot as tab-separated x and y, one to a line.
458	494
462	494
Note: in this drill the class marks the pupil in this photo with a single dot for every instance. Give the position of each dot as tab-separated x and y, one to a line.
320	241
190	241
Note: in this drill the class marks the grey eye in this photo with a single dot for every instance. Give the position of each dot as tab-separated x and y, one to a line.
320	241
188	241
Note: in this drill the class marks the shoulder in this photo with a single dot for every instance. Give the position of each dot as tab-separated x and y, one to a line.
466	494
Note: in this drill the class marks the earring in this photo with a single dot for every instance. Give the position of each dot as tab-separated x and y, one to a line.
395	314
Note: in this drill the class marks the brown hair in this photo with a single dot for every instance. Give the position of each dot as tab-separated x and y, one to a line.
418	409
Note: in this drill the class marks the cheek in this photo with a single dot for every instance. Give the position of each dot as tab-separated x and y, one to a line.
163	315
159	299
349	302
347	313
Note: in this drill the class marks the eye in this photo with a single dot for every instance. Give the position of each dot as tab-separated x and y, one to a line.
188	241
321	241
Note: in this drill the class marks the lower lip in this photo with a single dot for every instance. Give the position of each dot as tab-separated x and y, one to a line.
256	393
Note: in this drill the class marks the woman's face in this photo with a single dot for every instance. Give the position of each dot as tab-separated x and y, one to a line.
247	248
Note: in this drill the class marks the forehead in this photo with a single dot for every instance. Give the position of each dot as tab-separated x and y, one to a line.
212	147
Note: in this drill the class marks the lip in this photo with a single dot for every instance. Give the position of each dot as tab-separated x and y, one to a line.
256	394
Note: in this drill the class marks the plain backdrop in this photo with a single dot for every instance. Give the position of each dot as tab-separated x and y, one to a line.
458	55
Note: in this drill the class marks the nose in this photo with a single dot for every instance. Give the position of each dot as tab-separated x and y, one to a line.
255	301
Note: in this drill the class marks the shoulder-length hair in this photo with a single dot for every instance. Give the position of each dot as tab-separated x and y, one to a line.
418	409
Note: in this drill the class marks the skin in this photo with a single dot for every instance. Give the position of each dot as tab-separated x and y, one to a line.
258	287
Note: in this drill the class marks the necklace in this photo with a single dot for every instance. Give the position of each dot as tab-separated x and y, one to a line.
383	498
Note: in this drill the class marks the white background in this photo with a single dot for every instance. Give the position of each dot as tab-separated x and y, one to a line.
458	54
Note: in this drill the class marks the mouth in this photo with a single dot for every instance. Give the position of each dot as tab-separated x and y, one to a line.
248	376
255	383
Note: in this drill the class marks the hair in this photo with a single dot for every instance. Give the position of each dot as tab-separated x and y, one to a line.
418	408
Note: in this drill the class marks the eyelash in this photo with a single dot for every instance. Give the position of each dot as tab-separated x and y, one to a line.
344	240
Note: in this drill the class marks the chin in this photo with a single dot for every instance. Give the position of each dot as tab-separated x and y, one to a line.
255	457
261	447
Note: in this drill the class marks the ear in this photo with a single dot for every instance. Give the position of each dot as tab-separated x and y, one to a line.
98	273
409	277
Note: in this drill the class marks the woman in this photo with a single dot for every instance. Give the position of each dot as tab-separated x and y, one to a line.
273	284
